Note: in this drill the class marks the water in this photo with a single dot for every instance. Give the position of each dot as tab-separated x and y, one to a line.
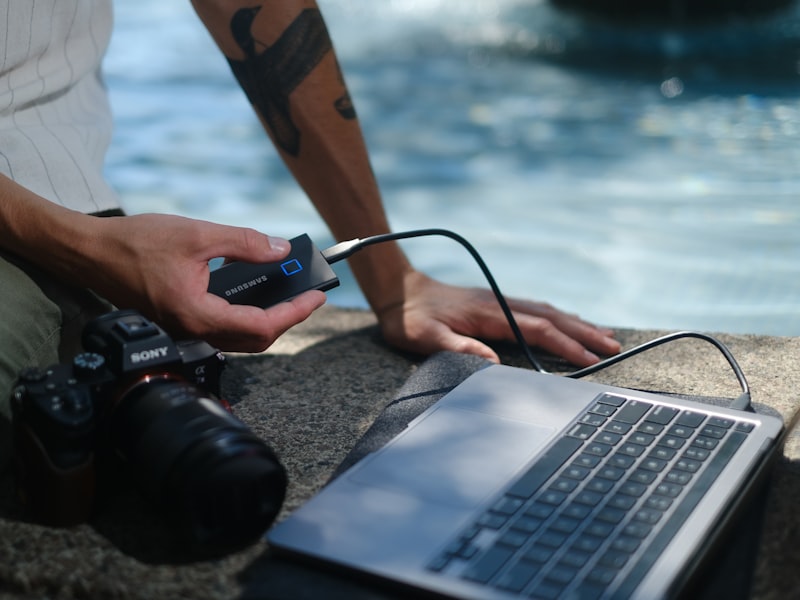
641	177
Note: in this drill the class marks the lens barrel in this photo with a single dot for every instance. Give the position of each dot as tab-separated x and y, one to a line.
221	485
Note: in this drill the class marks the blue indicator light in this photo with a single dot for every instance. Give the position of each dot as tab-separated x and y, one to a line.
290	267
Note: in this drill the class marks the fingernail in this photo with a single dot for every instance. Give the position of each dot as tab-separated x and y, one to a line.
591	356
279	244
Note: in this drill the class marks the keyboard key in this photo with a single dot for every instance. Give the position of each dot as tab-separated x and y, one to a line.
601	575
603	410
679	477
513	538
611	473
663	453
681	431
561	574
629	449
587	543
518	576
611	399
538	553
662	414
599	485
547	591
526	524
651	428
577	511
687	464
632	412
492	520
588	590
553	497
706	443
576	472
691	419
588	498
721	422
622	501
631	488
642	476
586	460
562	484
637	529
539	510
713	432
648	515
656	502
617	427
670	441
488	564
606	437
593	419
599	529
625	543
597	449
621	461
668	489
613	559
545	467
582	431
552	539
643	439
653	464
507	505
565	525
611	515
696	453
575	558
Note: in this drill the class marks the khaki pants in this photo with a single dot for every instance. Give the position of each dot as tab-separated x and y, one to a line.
41	321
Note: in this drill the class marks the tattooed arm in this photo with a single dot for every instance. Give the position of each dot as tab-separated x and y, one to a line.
282	56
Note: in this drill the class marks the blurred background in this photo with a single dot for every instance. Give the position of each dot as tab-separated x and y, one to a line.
639	173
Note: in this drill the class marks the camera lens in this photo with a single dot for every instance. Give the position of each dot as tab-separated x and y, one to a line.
220	483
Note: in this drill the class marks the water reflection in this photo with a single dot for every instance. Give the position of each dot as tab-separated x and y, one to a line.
641	176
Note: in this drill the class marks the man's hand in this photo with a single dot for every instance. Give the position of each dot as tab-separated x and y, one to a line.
158	264
434	316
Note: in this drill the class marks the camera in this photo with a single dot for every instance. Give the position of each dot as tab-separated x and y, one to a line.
137	402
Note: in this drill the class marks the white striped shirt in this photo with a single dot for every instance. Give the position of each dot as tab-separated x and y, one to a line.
55	121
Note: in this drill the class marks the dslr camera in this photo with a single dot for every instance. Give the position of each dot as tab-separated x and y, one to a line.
138	399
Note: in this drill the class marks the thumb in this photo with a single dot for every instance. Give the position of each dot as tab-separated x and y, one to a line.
248	245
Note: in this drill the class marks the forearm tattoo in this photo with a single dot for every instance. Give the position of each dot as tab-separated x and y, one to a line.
270	76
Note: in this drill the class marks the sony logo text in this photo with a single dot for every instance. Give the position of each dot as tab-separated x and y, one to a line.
146	355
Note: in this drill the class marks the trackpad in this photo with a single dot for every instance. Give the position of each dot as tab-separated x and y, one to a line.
453	457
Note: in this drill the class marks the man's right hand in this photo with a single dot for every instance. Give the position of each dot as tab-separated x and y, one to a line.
158	264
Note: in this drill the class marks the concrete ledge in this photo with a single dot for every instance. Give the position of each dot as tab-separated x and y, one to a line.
311	397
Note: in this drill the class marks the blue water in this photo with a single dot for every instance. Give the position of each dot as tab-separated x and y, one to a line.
641	177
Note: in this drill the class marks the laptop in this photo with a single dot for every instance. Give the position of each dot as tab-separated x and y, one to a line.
518	484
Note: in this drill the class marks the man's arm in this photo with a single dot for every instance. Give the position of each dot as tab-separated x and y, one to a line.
157	264
282	56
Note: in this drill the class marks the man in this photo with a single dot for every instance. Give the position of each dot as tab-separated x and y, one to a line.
64	246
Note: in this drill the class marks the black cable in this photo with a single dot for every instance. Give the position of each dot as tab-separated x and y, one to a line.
345	249
743	402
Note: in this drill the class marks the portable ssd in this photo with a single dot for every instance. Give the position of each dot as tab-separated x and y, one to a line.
267	284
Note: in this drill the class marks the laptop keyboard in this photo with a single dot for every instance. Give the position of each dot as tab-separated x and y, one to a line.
597	510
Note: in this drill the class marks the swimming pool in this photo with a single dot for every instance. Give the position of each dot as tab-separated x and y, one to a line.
640	176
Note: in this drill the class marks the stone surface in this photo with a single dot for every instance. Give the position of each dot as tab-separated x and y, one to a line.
311	397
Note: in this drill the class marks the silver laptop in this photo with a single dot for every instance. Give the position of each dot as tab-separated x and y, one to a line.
520	484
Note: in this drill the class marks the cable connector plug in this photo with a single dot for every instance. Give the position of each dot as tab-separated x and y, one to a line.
341	250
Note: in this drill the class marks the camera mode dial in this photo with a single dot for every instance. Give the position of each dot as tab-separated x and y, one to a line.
87	363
